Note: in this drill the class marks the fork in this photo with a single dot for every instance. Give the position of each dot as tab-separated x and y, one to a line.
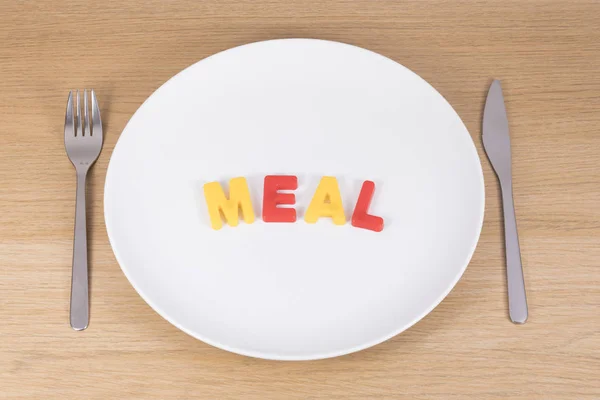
83	143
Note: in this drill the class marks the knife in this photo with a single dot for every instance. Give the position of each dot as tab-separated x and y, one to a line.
496	143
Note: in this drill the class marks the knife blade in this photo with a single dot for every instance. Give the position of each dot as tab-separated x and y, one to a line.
496	142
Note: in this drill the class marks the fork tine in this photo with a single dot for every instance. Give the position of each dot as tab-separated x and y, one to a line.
78	114
69	121
86	117
96	121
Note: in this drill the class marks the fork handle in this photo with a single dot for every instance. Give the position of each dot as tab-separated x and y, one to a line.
517	301
79	283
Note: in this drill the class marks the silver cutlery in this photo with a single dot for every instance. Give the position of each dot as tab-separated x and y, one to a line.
83	142
496	142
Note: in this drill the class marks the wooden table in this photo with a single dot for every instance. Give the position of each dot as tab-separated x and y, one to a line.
546	52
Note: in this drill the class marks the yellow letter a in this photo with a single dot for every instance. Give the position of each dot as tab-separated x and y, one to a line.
327	202
239	199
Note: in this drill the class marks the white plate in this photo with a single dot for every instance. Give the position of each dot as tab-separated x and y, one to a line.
295	291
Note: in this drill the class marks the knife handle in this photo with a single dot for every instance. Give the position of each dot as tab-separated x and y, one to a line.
517	301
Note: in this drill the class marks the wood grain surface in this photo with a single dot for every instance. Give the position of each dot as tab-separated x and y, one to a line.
546	52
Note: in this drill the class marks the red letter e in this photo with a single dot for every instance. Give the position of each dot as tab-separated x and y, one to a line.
272	198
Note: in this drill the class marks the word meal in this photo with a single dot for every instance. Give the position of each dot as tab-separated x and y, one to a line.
326	203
